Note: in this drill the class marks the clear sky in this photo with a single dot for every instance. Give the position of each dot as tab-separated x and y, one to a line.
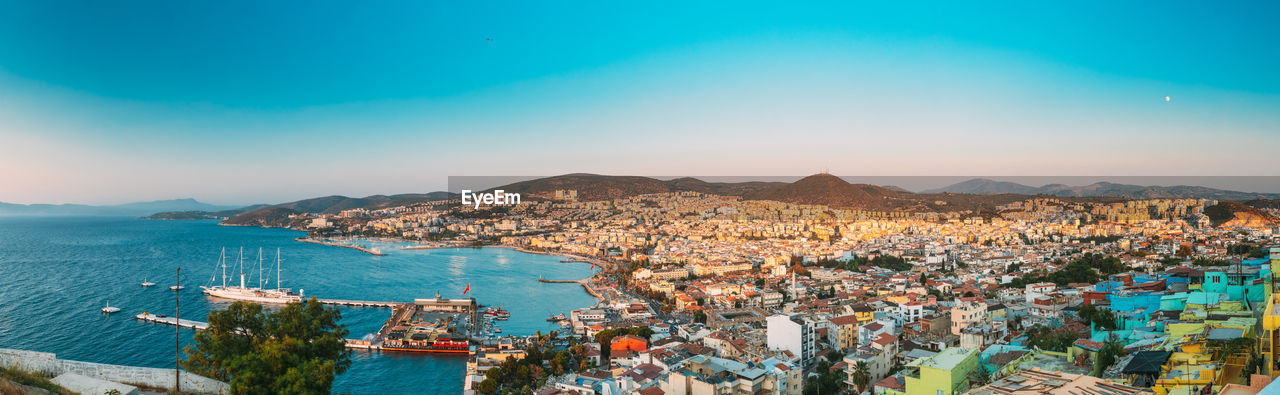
242	102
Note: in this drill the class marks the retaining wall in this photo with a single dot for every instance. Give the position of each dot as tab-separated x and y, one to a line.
49	363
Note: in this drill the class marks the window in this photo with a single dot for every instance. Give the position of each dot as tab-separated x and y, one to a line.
1217	280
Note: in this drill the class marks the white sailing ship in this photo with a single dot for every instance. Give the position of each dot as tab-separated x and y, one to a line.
259	294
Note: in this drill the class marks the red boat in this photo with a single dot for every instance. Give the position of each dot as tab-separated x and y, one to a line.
451	344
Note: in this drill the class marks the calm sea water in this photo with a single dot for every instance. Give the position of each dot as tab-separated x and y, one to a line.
57	272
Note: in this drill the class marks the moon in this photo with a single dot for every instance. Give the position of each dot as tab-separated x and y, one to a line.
1167	98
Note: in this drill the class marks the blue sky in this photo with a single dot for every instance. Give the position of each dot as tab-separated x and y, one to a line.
241	102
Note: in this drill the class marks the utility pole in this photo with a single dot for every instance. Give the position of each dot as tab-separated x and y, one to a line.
177	333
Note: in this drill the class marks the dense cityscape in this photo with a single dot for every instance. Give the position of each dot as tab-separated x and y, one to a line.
639	198
701	293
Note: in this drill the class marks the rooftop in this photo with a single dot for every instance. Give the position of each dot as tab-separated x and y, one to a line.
946	359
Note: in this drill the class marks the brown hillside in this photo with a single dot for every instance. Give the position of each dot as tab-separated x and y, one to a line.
829	190
1235	214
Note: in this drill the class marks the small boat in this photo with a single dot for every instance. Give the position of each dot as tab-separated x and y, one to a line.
497	330
555	318
175	288
146	283
110	309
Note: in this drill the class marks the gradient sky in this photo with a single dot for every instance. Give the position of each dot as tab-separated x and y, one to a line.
244	102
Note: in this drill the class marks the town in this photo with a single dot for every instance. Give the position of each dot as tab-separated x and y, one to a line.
708	294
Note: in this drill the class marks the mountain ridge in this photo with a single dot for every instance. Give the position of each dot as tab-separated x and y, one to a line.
983	186
127	209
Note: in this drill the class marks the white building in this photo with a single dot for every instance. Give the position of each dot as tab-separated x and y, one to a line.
792	333
1037	290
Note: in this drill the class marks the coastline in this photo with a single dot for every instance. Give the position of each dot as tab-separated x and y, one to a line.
569	258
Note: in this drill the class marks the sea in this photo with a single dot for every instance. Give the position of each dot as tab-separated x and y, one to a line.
56	273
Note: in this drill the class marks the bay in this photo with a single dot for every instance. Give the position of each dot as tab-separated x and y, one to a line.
57	272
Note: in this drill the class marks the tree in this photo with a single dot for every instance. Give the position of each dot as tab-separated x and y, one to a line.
488	386
861	375
1101	319
296	349
1107	357
1184	251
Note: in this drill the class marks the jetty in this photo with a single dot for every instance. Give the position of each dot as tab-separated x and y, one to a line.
543	280
172	321
358	303
361	344
332	244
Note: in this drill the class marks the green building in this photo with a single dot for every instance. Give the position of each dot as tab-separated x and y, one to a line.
944	374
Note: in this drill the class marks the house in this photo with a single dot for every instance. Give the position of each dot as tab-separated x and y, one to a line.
844	332
946	373
967	313
793	333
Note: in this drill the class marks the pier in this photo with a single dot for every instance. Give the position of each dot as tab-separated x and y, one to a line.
329	243
172	321
358	303
542	280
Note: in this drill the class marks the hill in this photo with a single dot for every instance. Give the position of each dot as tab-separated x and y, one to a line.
829	190
984	186
593	187
270	217
278	215
1234	214
820	189
590	187
200	214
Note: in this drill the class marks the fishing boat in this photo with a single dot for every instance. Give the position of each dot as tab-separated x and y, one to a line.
259	294
110	309
176	287
146	283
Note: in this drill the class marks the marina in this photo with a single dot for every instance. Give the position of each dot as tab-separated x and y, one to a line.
499	276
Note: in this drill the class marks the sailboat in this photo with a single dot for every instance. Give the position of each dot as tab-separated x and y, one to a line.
146	283
259	294
110	309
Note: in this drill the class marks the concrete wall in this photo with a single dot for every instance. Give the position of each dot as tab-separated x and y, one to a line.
152	377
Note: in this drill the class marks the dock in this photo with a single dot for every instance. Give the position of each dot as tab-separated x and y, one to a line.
332	244
358	303
541	280
172	321
360	344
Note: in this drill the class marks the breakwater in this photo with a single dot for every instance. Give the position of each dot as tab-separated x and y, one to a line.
329	243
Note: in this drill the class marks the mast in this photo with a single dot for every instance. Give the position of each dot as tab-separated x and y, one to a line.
240	266
259	267
277	268
222	258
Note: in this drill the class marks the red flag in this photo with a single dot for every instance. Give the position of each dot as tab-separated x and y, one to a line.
464	292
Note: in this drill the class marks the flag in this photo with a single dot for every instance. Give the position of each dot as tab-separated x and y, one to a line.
464	292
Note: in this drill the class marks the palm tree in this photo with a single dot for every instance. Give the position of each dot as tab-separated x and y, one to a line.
861	375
